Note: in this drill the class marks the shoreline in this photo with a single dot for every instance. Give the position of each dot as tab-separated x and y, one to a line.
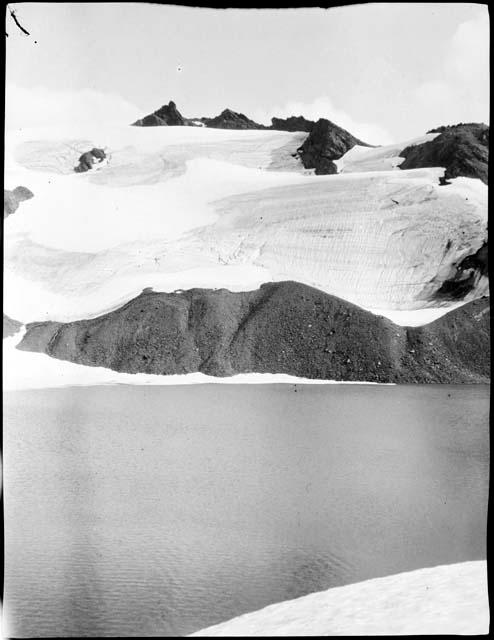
445	599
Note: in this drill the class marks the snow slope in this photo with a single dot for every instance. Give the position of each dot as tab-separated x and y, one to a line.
359	159
28	370
449	599
187	206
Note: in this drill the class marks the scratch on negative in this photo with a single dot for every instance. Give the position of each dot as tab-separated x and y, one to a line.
12	13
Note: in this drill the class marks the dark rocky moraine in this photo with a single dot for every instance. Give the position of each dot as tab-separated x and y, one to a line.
283	327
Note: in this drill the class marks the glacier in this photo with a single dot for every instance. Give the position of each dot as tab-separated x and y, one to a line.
187	206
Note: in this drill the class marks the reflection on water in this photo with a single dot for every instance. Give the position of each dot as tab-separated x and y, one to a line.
162	510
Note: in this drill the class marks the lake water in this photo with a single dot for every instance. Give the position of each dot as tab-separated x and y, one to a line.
161	510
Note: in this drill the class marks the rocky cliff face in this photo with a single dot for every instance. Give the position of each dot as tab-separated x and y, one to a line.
282	327
167	115
11	199
326	142
463	150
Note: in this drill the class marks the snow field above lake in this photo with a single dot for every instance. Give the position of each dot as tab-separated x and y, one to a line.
178	207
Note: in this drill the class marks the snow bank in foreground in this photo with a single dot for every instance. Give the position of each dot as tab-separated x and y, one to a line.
27	370
449	599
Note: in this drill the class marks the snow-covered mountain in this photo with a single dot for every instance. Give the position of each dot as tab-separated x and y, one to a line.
178	207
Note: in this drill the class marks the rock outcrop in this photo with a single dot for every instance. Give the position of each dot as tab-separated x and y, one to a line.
87	160
166	116
326	142
284	327
10	326
11	199
463	150
229	119
293	123
467	275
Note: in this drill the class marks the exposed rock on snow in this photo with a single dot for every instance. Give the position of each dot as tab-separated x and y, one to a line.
10	326
463	150
326	143
11	199
444	600
467	276
88	158
280	328
167	115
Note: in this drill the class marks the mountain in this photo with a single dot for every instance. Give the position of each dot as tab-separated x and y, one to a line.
293	123
229	119
283	327
167	115
463	149
326	142
12	199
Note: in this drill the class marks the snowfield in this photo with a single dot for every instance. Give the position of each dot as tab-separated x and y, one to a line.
387	158
449	599
179	207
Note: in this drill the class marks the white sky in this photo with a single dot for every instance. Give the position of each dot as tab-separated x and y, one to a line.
386	72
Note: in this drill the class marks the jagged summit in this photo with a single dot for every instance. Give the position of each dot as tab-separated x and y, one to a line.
292	123
326	142
167	115
229	119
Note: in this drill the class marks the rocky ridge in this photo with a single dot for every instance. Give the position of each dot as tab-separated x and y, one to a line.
283	327
229	119
463	149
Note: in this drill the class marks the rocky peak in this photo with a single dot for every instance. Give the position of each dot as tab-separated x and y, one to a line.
293	123
167	115
229	119
325	143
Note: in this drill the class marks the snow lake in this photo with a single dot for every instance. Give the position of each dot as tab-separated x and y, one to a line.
134	510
